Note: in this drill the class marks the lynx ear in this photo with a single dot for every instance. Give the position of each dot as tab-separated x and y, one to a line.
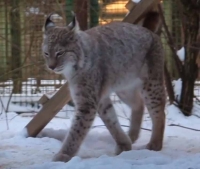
74	25
49	23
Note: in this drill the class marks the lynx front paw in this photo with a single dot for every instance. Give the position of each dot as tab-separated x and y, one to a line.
122	147
155	146
61	157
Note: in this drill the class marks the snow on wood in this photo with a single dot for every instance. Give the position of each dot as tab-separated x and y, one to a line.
136	1
181	54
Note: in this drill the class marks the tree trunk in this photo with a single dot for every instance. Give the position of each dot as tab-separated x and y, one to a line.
15	59
190	68
82	13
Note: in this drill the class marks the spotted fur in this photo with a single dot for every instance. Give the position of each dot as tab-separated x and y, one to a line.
117	57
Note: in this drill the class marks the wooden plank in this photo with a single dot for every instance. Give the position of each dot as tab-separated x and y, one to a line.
139	10
48	111
46	97
43	99
130	5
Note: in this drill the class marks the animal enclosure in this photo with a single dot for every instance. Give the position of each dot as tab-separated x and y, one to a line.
23	75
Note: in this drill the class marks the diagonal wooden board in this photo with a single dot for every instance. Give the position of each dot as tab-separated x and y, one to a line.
137	12
53	105
50	108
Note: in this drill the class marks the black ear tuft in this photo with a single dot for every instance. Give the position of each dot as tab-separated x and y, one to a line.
74	18
74	25
49	23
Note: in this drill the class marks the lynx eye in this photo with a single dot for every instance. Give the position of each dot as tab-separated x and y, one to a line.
60	53
46	54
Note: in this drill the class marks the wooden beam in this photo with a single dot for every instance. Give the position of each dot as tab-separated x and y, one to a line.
139	10
130	5
50	108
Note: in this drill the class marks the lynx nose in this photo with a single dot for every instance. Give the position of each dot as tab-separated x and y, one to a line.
52	67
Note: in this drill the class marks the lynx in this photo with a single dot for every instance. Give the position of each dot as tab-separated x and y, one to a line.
117	57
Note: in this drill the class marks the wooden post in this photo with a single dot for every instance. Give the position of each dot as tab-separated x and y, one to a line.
50	108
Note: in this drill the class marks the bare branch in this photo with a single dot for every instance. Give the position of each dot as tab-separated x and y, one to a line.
177	125
120	125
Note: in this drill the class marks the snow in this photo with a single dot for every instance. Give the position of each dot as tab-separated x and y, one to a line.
181	149
181	54
181	146
24	133
177	85
136	1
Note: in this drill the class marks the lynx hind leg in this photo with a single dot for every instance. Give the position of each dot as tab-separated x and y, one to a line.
154	95
134	100
108	116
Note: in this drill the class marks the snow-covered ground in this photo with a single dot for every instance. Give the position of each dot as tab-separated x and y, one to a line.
181	146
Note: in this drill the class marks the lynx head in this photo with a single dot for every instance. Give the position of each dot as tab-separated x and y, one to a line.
60	46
